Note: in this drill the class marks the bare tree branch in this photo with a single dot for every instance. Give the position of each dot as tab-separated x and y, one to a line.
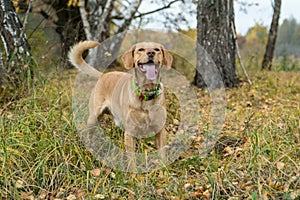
109	10
156	10
86	24
2	65
127	22
103	20
26	15
239	55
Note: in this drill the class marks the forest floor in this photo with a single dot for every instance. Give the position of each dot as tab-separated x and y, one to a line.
257	155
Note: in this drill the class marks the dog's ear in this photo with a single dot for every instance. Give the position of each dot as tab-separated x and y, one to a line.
168	58
127	58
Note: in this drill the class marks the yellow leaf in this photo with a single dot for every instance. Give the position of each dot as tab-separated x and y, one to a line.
71	197
112	175
99	196
19	184
280	165
229	150
96	172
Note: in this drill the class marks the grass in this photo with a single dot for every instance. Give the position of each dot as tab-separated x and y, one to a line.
257	156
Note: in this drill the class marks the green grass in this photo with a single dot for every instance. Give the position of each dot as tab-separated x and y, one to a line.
257	157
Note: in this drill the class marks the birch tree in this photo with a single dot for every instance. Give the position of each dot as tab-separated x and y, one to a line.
15	60
98	20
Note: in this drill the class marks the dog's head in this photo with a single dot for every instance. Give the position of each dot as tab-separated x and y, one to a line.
147	58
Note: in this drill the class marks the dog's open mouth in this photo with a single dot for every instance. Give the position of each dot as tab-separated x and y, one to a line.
150	69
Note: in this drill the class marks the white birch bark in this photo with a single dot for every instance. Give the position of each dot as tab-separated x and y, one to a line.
15	63
12	34
86	25
99	24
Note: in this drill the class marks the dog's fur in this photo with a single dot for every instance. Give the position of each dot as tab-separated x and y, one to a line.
116	91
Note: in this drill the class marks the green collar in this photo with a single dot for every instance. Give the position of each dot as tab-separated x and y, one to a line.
146	95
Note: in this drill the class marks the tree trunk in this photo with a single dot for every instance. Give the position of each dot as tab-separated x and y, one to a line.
65	17
17	61
269	53
215	22
99	24
69	27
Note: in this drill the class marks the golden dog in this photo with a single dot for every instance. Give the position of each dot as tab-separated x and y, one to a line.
136	101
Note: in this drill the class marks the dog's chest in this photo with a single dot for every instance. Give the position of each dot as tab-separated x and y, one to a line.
147	122
138	117
143	122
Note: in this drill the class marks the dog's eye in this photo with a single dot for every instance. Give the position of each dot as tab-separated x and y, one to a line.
156	49
141	49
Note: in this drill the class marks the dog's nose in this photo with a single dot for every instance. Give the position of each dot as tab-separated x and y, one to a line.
151	53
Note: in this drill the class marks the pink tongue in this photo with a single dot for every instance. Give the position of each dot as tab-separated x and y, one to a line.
150	72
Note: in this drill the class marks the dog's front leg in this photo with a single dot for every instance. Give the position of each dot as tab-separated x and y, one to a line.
161	141
130	143
92	121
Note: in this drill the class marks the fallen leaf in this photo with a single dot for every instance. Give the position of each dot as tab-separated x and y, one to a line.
265	195
229	150
175	121
19	184
233	198
82	166
187	185
195	194
71	197
112	175
27	196
295	194
80	193
280	165
43	194
99	196
207	194
160	191
60	192
95	172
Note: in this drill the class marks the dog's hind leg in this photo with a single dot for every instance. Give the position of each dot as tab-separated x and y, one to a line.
96	107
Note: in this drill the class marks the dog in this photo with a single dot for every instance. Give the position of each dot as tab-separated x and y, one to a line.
137	100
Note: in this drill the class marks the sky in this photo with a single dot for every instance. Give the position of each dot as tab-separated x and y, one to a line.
260	13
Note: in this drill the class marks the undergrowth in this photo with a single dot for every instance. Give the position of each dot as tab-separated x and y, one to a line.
256	157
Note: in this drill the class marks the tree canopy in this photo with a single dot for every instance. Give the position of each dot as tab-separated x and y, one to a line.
288	42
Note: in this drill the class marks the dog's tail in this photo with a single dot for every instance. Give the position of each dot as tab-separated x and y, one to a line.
75	57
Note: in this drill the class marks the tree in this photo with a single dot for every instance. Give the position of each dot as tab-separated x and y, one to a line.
65	16
100	22
269	53
16	64
253	49
77	20
215	24
288	41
